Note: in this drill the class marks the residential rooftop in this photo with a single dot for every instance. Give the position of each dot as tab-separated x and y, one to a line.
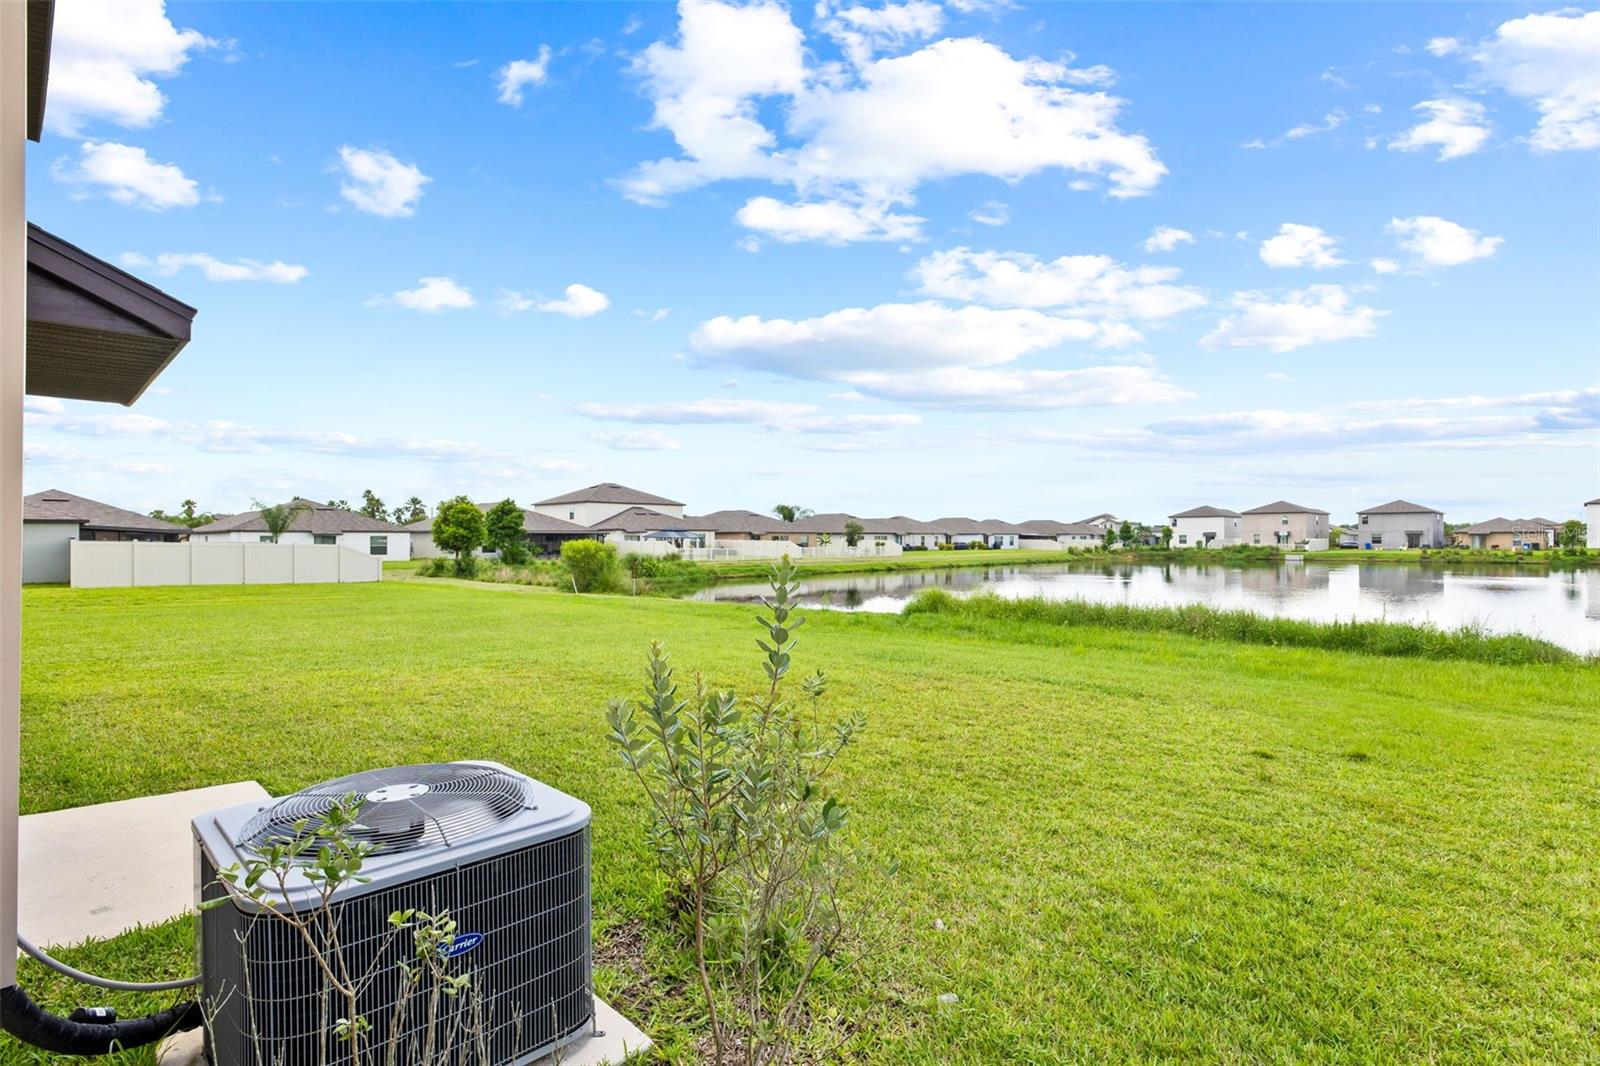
1205	512
1399	507
610	492
314	518
53	505
1284	507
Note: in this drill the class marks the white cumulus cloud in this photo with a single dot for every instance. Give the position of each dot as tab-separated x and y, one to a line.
1440	242
379	184
1166	238
929	353
103	59
214	269
518	73
1443	46
829	221
579	301
1313	315
1298	245
1094	285
991	213
1456	127
1552	60
432	295
129	176
869	133
790	417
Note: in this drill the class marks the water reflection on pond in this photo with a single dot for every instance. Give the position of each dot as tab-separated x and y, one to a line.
1561	606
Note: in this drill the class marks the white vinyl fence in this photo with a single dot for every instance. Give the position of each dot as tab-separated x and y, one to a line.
774	549
114	564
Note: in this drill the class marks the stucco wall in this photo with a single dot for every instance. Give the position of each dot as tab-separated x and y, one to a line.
1293	528
1224	531
47	551
399	543
587	514
1388	532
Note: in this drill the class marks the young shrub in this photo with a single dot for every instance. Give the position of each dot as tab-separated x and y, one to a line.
852	532
592	565
459	529
503	532
746	834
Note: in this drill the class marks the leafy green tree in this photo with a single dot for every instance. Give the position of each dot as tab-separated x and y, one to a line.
372	506
503	532
791	513
189	514
1125	533
1573	534
413	510
852	532
459	529
593	565
1166	536
279	517
343	505
1108	539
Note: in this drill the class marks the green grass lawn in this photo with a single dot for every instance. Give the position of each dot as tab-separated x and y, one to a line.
1141	847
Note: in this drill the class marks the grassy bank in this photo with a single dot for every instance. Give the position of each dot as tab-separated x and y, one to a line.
996	616
1115	846
757	569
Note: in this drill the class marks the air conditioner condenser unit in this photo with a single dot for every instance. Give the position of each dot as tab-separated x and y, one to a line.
507	856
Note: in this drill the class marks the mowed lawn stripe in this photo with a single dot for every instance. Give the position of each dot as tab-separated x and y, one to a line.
1141	847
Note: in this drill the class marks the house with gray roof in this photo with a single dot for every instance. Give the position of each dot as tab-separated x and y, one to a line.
1510	534
1399	524
544	534
633	525
1286	525
52	520
595	503
1205	527
1048	533
317	523
1591	515
740	525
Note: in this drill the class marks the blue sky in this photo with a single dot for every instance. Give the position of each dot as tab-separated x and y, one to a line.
974	258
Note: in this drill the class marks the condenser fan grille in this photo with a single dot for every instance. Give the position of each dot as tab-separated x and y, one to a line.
402	808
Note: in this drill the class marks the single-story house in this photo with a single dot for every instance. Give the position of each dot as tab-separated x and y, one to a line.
1400	524
915	533
961	531
634	524
52	520
544	534
809	532
1205	527
740	525
1048	533
1591	514
317	523
1285	524
1510	534
1000	534
595	503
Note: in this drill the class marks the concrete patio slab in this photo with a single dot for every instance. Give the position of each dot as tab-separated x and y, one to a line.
613	1040
100	870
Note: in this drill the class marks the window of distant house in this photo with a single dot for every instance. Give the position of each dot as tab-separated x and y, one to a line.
324	538
572	515
1183	538
378	546
266	538
1377	538
1284	520
1255	538
1364	519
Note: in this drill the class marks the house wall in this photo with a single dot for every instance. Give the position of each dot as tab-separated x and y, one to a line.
47	551
1191	532
1388	532
1284	530
1592	516
399	543
587	514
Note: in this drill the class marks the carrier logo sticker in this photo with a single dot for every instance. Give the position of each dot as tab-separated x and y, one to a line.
463	943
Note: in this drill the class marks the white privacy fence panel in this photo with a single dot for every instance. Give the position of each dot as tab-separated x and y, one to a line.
120	564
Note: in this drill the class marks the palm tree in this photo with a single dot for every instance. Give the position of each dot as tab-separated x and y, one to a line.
280	516
791	513
413	510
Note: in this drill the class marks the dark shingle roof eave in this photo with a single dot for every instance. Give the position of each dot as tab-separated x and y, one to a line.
610	492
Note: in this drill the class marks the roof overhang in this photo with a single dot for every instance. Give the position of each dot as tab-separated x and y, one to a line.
95	332
41	20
